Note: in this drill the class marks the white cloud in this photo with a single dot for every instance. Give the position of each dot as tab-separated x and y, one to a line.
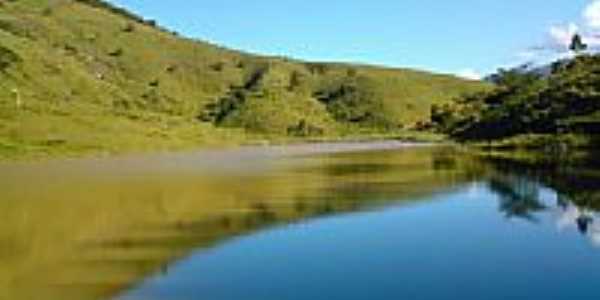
527	55
562	35
592	39
469	74
591	14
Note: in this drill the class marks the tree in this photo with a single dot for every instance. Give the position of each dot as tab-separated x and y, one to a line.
515	78
577	44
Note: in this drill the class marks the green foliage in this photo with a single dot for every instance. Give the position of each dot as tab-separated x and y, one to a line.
296	80
15	26
7	58
116	52
514	79
128	27
354	100
304	129
218	66
525	103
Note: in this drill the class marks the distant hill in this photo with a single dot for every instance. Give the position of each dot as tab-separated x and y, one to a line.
85	76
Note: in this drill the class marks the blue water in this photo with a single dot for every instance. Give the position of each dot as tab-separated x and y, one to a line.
459	244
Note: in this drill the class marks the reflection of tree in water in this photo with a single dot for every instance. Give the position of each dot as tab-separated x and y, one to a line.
586	221
519	197
575	181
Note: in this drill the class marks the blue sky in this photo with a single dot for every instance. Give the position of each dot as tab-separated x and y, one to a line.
460	36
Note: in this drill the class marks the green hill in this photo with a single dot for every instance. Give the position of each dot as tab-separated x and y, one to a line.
85	76
531	109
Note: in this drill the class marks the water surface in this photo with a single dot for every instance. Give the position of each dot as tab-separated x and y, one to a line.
383	221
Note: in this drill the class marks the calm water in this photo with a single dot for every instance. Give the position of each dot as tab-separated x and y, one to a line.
302	223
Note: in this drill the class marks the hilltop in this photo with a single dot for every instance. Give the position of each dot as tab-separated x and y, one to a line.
81	76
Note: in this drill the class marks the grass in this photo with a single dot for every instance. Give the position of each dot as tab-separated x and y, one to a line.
101	81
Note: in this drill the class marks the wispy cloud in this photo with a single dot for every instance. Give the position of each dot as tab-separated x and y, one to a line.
591	15
556	44
560	36
469	74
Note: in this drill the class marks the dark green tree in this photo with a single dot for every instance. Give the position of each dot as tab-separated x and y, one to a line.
577	44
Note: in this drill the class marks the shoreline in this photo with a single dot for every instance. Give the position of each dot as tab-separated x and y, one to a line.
349	142
215	159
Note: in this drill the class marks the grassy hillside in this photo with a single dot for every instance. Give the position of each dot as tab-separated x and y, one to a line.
83	76
530	109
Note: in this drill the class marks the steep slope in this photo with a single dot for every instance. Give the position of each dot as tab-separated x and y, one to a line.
81	76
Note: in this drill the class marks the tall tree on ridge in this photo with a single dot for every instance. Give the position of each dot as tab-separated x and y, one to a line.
577	44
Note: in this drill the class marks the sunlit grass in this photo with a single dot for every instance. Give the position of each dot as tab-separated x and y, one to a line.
93	82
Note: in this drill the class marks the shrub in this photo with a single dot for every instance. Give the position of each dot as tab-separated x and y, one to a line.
15	27
91	37
304	129
218	66
354	100
317	68
116	52
70	48
129	27
8	58
171	68
218	112
351	72
151	23
296	80
47	11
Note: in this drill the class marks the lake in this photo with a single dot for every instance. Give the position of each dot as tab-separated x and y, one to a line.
334	221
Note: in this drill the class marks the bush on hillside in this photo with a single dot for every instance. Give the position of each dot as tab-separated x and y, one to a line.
355	100
234	100
317	68
304	129
116	52
151	23
47	11
128	27
15	27
296	80
70	48
171	68
218	66
8	58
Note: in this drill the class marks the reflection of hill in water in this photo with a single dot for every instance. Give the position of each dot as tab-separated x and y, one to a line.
73	232
567	188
